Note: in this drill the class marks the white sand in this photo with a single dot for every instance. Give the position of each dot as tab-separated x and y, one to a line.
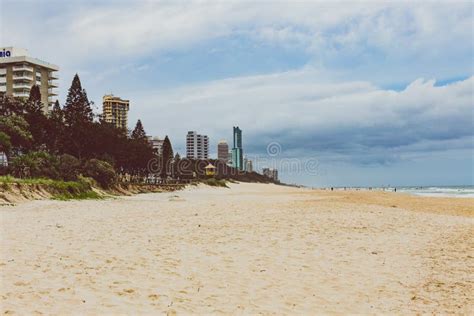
245	250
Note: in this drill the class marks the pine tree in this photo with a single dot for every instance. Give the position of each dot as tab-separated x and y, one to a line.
55	131
35	117
34	104
78	119
57	114
166	158
77	109
177	166
139	132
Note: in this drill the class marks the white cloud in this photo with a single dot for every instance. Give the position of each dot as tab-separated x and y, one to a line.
307	115
121	29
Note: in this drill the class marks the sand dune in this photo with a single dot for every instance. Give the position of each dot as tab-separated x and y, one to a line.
250	249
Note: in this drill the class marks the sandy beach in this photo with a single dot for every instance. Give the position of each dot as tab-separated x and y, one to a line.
253	248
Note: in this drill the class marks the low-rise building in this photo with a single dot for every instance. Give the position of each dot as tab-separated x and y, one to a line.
270	173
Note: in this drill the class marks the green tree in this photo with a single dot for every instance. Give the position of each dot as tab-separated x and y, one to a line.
139	132
78	119
77	109
10	105
16	136
166	158
176	166
5	143
57	113
36	119
55	129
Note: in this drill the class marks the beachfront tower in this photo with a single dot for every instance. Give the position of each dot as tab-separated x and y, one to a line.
223	151
115	110
19	72
237	152
197	146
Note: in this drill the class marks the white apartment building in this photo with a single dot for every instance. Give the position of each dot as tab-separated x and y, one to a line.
197	146
19	72
248	165
157	144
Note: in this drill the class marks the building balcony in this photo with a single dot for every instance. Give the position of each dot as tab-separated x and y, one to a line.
23	68
23	77
52	84
21	85
52	76
21	94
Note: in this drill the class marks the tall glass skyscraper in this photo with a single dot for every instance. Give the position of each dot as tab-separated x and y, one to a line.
237	152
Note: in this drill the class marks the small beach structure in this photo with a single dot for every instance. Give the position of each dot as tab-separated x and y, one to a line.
210	170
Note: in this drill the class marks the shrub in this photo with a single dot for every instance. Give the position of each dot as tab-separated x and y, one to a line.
69	167
215	183
37	164
100	171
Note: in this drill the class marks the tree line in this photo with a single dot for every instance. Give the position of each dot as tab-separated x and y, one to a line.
71	141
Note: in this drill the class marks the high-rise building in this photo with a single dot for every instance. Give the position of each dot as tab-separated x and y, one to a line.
19	72
115	110
237	152
223	151
197	146
248	165
157	144
270	173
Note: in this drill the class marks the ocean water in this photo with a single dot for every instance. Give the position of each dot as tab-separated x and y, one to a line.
440	191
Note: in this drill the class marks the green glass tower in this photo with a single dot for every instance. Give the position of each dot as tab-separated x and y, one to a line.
237	152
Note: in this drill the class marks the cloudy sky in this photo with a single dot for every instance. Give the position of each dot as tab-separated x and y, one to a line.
342	93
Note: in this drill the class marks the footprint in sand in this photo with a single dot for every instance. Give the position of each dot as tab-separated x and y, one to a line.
153	297
125	292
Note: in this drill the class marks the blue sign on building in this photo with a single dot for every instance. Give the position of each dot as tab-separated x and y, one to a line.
5	53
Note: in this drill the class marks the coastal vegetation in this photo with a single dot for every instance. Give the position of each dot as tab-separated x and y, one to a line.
69	150
69	142
81	188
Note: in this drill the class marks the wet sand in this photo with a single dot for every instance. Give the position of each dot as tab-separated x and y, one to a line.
249	249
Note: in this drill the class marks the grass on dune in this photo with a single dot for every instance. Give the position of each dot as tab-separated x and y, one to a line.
60	190
215	183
